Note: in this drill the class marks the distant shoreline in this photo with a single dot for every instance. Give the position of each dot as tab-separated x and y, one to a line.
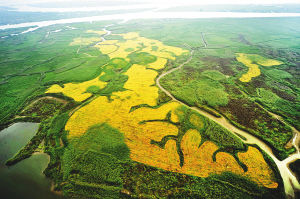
151	15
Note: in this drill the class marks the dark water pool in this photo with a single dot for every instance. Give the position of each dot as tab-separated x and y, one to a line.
25	179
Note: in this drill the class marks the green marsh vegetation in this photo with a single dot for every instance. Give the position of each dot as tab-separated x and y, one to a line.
31	62
98	164
199	85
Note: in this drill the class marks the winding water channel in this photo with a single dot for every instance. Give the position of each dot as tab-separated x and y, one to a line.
289	180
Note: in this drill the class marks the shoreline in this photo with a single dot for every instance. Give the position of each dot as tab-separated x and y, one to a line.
149	15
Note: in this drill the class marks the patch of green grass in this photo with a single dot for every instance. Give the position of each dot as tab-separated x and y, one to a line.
78	70
277	74
129	49
94	161
280	106
103	138
113	75
267	96
56	128
201	91
117	63
93	89
31	62
154	48
141	58
108	75
214	75
115	83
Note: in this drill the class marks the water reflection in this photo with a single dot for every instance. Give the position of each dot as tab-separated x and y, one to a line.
25	179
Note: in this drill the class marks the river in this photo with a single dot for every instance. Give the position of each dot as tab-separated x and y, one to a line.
150	15
24	179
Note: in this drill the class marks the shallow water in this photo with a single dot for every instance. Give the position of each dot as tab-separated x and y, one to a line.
25	179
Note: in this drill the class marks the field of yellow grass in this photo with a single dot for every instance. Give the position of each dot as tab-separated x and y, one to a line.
258	167
140	89
85	41
107	49
99	32
198	161
253	61
158	64
77	91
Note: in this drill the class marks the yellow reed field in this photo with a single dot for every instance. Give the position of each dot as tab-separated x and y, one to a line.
139	74
263	61
77	91
198	161
140	89
137	136
122	52
174	117
158	113
165	51
254	71
258	168
130	35
85	41
133	40
158	64
159	53
99	32
140	81
270	62
164	158
107	49
107	42
116	113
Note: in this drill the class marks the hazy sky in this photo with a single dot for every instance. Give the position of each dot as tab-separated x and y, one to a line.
30	2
